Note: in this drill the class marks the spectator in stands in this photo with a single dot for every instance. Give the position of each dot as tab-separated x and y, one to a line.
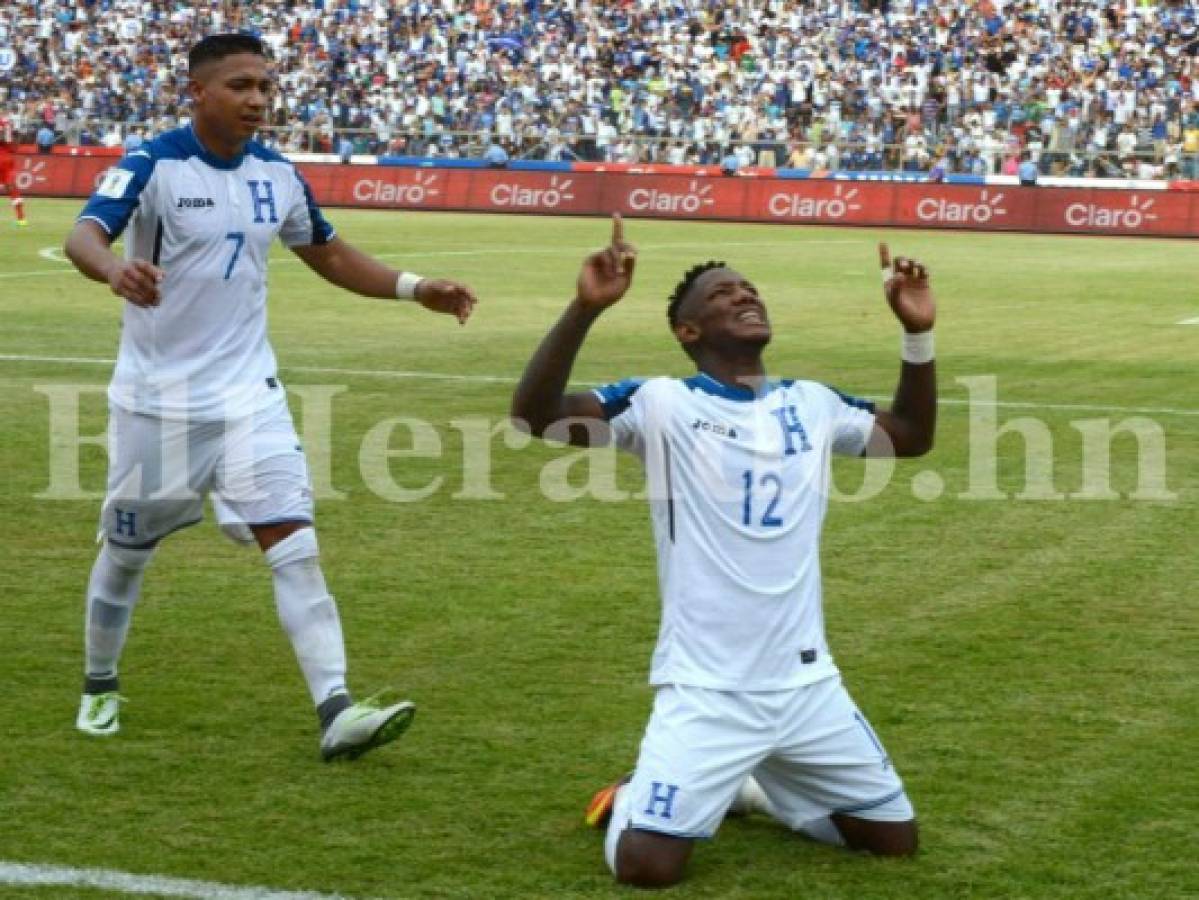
45	139
730	162
630	81
1027	170
345	149
938	171
495	155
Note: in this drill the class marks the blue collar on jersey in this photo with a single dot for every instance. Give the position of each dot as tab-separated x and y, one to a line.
211	158
709	385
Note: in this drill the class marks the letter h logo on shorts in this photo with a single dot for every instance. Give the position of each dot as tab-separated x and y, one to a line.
661	795
126	522
789	421
263	198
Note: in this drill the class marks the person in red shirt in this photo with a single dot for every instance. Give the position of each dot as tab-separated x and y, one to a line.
8	178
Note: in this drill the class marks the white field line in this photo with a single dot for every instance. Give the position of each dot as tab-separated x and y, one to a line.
506	379
399	373
52	253
1194	321
37	274
158	885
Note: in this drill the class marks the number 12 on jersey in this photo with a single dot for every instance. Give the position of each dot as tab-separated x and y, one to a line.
771	490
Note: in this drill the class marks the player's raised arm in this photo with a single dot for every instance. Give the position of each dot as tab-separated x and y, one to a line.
540	399
137	280
346	266
907	429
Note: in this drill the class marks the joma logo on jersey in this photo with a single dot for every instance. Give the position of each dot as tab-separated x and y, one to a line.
717	428
195	203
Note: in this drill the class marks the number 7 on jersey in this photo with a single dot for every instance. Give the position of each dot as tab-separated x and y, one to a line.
239	241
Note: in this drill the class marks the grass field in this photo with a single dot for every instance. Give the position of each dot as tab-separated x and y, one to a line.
1031	664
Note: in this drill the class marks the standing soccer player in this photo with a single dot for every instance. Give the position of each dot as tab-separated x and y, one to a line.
749	703
196	405
8	177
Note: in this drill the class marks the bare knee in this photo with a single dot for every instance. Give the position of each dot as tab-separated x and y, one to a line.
268	536
901	839
648	873
646	859
879	838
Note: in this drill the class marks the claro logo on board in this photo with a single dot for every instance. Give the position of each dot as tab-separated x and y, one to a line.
32	172
797	206
692	200
1097	215
416	192
939	209
553	195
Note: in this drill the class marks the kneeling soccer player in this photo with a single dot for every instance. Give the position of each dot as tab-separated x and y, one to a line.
750	708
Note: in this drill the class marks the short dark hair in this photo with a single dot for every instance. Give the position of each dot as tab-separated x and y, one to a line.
217	46
681	289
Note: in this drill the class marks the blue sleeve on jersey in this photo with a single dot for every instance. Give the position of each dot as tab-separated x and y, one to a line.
322	231
615	398
117	195
856	402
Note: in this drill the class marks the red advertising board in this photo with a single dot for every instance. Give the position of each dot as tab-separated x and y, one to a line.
59	176
532	192
820	202
675	196
388	187
986	207
1115	212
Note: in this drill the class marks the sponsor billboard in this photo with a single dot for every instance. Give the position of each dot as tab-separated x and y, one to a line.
675	196
819	202
532	192
684	196
58	176
965	206
383	186
1117	212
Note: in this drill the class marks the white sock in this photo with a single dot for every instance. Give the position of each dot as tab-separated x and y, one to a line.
112	592
822	830
751	799
308	613
616	825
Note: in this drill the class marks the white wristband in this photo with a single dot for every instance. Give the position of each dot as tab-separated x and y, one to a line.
917	348
406	285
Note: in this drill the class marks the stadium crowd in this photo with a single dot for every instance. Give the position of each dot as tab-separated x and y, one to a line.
1079	87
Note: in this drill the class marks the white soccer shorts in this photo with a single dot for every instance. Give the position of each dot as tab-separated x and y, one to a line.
160	470
810	748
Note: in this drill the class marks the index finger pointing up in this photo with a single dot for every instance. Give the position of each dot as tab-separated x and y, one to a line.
884	255
617	230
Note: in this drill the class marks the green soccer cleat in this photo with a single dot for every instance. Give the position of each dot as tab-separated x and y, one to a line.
365	725
100	714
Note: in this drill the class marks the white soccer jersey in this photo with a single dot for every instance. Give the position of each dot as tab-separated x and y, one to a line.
208	223
738	486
